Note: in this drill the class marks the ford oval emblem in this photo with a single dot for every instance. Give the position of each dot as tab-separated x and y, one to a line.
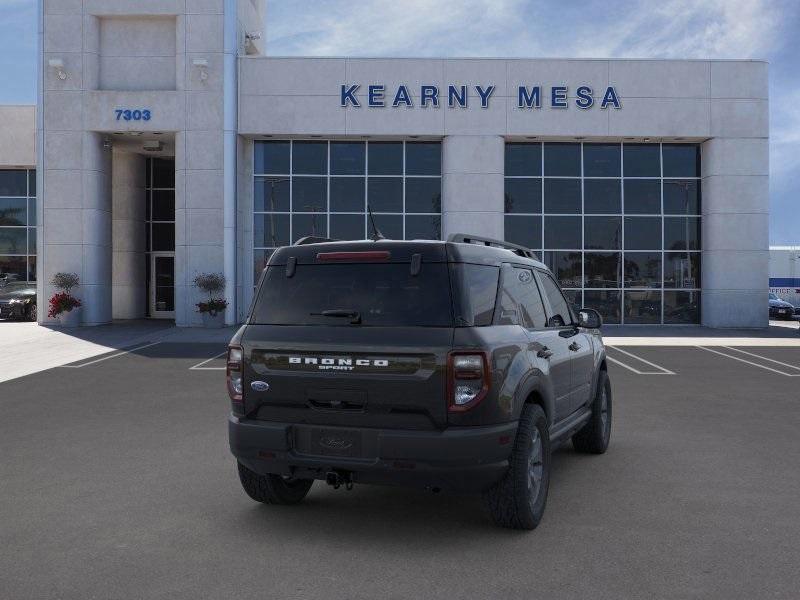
335	443
259	386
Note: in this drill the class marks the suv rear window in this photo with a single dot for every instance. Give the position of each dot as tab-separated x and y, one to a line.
383	295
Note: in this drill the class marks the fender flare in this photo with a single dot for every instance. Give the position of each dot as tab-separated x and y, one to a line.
534	382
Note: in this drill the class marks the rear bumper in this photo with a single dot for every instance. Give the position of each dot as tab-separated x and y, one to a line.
12	311
458	458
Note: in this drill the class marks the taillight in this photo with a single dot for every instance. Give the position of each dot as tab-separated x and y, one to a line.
468	379
233	375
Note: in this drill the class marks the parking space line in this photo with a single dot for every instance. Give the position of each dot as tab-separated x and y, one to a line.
749	362
772	360
92	362
661	370
200	367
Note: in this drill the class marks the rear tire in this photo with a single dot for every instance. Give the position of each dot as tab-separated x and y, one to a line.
518	500
595	435
31	313
273	489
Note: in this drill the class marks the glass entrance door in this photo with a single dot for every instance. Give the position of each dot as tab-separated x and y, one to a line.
162	285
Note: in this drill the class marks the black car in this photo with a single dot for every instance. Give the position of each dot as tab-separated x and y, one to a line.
780	309
17	300
452	365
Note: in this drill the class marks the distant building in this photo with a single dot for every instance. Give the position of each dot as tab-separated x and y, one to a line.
784	272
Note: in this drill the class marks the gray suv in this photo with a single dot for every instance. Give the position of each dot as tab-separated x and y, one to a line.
453	365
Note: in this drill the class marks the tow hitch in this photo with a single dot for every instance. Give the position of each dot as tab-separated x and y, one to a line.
339	478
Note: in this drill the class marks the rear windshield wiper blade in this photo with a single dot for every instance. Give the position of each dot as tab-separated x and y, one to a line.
353	315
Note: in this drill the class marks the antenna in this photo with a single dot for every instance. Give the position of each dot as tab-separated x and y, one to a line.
376	233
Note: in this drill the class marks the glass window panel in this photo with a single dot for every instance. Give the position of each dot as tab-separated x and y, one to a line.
602	160
309	194
313	224
523	195
163	205
562	196
574	298
271	158
147	237
32	182
602	233
681	233
423	194
385	194
606	302
163	173
520	300
643	307
31	268
348	227
310	158
14	268
523	230
681	197
270	231
147	204
261	257
13	182
31	240
476	293
602	196
681	160
566	266
347	194
32	211
560	313
642	196
562	160
562	233
348	158
602	269
391	226
13	240
643	269
423	158
271	194
681	269
642	233
385	158
13	211
523	159
163	236
641	160
682	307
423	227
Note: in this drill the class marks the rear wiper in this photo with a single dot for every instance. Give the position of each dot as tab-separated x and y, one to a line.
353	315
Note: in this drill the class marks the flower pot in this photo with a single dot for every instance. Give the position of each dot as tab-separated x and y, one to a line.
70	318
213	320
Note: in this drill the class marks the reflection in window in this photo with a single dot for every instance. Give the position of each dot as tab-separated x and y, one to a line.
643	307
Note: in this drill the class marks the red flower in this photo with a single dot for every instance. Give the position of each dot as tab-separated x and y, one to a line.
62	302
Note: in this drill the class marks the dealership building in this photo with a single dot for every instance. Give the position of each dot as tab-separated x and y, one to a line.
165	143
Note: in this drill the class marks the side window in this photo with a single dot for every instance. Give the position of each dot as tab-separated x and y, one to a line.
474	293
560	309
520	302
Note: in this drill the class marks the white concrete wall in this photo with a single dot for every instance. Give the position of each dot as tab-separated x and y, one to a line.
128	235
17	136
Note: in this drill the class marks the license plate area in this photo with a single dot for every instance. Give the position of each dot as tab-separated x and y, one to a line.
329	441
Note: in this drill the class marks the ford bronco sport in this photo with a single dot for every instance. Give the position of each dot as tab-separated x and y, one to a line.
453	365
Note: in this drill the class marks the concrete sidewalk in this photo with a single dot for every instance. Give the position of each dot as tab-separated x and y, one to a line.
779	333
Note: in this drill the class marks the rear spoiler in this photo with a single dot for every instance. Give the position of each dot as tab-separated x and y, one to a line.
464	238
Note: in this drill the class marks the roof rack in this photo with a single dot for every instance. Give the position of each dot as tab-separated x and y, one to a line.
465	238
312	239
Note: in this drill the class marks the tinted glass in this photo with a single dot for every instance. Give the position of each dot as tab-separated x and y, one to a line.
383	294
601	160
391	226
681	160
475	291
642	196
271	157
271	231
13	240
681	307
163	173
523	159
313	224
271	194
32	211
602	196
520	301
423	158
566	266
310	158
347	227
562	196
562	232
385	158
681	197
642	233
15	267
163	205
163	236
574	299
14	211
562	160
31	268
606	302
643	307
348	158
602	233
523	195
525	231
385	194
423	227
681	233
31	240
681	269
642	269
32	182
559	309
602	269
641	160
309	194
423	194
347	194
13	182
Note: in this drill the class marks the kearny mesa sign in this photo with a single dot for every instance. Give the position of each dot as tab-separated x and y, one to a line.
460	96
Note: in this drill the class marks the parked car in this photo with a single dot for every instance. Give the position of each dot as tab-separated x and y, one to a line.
17	300
780	309
453	365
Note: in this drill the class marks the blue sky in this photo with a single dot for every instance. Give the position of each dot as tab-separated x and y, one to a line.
763	29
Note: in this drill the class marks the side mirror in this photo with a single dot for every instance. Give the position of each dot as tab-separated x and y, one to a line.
589	318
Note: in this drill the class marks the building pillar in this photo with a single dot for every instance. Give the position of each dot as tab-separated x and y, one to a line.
472	185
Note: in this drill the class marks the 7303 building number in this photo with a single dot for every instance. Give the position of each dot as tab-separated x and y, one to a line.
127	114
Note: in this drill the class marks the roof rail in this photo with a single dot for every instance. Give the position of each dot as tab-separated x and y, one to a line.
312	239
465	238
